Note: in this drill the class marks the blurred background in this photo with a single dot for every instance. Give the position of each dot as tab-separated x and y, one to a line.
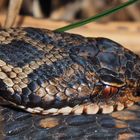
71	10
123	26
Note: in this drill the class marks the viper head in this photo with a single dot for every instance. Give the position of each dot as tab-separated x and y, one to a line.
118	71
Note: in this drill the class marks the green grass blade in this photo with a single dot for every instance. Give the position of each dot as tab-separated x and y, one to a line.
98	16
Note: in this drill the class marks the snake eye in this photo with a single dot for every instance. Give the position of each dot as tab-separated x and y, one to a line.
109	91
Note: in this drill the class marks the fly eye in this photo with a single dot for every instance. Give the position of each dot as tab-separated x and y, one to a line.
109	91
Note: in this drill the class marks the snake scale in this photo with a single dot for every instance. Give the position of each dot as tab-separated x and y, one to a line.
52	73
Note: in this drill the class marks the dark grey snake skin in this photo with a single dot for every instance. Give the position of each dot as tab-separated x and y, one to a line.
120	125
45	72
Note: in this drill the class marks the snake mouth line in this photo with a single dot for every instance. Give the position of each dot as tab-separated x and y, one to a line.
87	108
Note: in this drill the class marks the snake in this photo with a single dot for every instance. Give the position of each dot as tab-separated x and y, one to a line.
46	72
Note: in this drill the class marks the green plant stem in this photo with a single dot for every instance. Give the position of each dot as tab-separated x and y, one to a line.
98	16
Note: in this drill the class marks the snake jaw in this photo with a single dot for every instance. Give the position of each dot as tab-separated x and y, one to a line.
116	97
127	98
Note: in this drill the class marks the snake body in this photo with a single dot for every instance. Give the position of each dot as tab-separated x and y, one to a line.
61	73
